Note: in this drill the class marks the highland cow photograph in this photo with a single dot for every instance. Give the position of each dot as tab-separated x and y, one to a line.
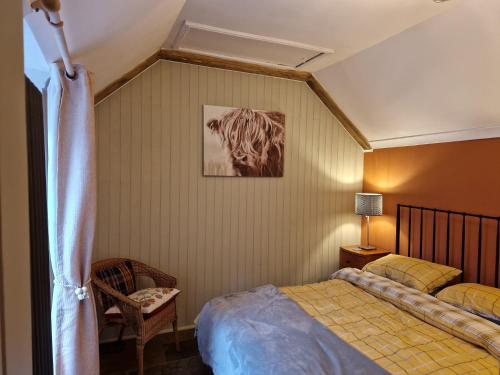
242	142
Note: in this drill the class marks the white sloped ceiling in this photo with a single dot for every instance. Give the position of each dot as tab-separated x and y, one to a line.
439	81
110	37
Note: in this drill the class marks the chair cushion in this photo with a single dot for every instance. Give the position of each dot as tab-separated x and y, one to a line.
151	299
121	278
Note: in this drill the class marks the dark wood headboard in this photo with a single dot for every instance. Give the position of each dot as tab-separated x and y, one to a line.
463	240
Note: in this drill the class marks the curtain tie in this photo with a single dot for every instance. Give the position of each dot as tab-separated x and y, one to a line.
81	292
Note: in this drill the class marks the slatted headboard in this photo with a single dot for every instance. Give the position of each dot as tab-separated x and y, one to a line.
452	238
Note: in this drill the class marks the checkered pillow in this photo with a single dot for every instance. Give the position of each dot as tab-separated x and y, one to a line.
121	278
412	272
475	298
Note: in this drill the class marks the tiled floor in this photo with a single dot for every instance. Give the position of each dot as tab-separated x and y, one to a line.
160	357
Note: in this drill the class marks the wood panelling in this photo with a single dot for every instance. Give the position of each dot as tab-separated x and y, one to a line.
215	234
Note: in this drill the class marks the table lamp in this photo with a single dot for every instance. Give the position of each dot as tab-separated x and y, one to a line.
368	204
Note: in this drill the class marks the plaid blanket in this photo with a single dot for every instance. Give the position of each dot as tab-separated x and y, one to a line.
460	323
403	330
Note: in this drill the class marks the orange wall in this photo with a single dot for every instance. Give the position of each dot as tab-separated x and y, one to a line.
462	176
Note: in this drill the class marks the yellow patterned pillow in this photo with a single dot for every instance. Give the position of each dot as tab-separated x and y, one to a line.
414	273
475	298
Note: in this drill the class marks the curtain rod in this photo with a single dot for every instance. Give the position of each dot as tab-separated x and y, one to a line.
51	9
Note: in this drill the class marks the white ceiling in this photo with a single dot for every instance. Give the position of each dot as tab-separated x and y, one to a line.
405	71
109	37
346	26
200	38
436	82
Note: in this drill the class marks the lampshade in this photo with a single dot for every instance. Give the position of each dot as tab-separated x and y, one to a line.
368	204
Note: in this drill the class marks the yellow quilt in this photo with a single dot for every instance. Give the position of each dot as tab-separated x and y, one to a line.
396	339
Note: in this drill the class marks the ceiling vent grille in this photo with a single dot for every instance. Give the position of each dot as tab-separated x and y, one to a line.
209	40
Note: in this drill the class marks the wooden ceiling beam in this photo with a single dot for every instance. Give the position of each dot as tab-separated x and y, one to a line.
227	64
220	63
115	85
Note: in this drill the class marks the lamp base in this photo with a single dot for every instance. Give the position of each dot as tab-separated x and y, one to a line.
367	247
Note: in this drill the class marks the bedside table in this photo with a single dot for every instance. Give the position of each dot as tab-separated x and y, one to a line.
350	256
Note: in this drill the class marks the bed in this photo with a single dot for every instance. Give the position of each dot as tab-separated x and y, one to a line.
356	322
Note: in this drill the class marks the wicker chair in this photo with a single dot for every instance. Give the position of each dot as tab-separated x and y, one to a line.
144	327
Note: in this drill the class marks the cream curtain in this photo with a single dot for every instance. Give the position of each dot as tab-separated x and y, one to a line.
71	194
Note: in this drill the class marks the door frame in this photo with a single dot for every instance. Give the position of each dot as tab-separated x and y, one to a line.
15	298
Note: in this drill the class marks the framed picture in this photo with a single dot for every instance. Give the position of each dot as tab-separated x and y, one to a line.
242	142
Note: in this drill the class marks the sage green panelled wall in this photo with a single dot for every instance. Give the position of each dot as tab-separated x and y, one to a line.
221	234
